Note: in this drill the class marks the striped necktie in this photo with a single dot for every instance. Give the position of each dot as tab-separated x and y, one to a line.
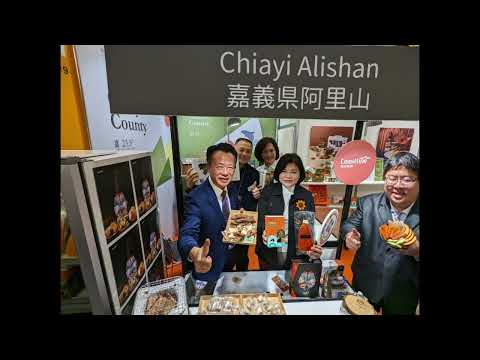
225	207
400	216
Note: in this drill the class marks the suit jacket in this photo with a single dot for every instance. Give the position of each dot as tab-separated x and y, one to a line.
272	203
204	219
380	272
248	175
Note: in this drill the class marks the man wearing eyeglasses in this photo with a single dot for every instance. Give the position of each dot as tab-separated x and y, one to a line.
206	213
386	276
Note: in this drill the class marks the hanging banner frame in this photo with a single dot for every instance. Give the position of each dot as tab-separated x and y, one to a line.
347	82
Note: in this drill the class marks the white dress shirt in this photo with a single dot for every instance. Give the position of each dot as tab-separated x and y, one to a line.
282	251
218	194
396	214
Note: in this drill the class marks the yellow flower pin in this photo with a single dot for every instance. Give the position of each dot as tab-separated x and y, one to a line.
300	204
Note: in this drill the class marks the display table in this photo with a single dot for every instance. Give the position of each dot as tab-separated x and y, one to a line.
261	282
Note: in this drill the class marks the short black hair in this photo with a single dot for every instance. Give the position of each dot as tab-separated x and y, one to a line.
405	159
289	159
261	146
225	147
243	139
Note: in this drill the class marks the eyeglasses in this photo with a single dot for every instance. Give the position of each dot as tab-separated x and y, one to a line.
228	169
404	180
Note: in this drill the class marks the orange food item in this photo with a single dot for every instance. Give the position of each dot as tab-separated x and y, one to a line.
383	231
305	238
397	230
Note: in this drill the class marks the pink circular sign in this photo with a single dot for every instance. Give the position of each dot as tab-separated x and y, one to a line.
354	162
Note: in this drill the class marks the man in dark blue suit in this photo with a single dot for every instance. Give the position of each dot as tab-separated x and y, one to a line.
206	213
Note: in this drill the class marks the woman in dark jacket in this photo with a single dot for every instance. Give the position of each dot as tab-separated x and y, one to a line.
289	173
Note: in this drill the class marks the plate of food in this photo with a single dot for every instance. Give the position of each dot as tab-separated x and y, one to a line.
397	235
241	228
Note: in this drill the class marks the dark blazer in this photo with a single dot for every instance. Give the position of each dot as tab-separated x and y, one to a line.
380	272
271	203
204	219
248	175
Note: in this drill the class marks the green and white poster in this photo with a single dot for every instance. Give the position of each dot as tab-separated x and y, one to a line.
197	133
130	132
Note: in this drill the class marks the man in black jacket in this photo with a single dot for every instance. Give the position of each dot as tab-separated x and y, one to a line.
387	277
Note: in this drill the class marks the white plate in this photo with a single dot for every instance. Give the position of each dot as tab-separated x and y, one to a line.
328	225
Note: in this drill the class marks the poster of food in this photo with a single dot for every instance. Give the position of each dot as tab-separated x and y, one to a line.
393	140
115	195
325	141
150	237
156	272
144	185
127	263
151	133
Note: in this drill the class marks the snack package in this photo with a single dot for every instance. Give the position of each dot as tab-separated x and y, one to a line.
220	305
236	174
379	169
200	166
281	284
262	304
304	231
241	228
320	195
305	278
266	178
186	165
241	304
275	231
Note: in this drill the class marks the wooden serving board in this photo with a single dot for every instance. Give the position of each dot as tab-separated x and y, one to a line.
238	298
243	242
357	305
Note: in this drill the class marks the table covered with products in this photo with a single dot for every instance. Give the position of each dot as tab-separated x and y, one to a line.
263	285
308	287
252	293
260	282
